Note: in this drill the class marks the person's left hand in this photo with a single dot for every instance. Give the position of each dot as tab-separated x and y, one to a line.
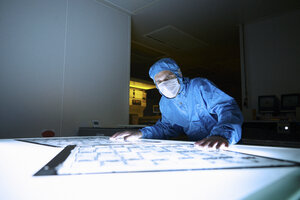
212	142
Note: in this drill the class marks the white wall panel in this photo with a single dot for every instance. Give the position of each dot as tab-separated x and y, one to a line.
97	66
31	60
62	64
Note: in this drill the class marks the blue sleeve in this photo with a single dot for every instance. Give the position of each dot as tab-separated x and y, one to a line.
229	116
161	130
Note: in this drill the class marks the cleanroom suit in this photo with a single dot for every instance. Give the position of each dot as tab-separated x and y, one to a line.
199	110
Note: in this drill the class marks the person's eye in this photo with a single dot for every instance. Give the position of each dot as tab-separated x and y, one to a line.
171	77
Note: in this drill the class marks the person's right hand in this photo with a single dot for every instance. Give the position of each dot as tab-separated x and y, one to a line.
127	135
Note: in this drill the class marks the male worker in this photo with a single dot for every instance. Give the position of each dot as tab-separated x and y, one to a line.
194	107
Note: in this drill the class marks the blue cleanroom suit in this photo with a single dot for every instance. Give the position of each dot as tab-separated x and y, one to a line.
199	110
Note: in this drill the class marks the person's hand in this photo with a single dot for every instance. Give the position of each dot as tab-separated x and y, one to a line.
129	135
212	142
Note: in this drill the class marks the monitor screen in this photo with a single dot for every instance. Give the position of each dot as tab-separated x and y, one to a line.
290	101
267	103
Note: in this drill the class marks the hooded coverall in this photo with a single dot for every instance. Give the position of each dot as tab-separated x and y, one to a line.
199	110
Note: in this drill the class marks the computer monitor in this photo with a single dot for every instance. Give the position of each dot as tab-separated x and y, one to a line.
290	101
268	104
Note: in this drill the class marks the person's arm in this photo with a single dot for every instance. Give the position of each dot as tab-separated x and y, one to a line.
161	130
227	111
229	123
127	135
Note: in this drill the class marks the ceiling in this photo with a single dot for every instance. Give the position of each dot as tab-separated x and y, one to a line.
201	35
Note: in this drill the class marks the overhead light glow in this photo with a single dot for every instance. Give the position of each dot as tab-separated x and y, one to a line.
140	85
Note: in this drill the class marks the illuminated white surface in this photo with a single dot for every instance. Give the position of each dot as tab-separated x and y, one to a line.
19	161
156	157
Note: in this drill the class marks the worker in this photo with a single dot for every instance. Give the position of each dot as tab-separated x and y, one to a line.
195	107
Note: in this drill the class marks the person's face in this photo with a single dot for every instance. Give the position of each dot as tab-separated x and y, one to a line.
167	83
163	76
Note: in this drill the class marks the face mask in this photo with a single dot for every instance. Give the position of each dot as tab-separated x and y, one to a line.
169	88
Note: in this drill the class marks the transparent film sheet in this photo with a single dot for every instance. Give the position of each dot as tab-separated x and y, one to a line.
83	141
154	157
